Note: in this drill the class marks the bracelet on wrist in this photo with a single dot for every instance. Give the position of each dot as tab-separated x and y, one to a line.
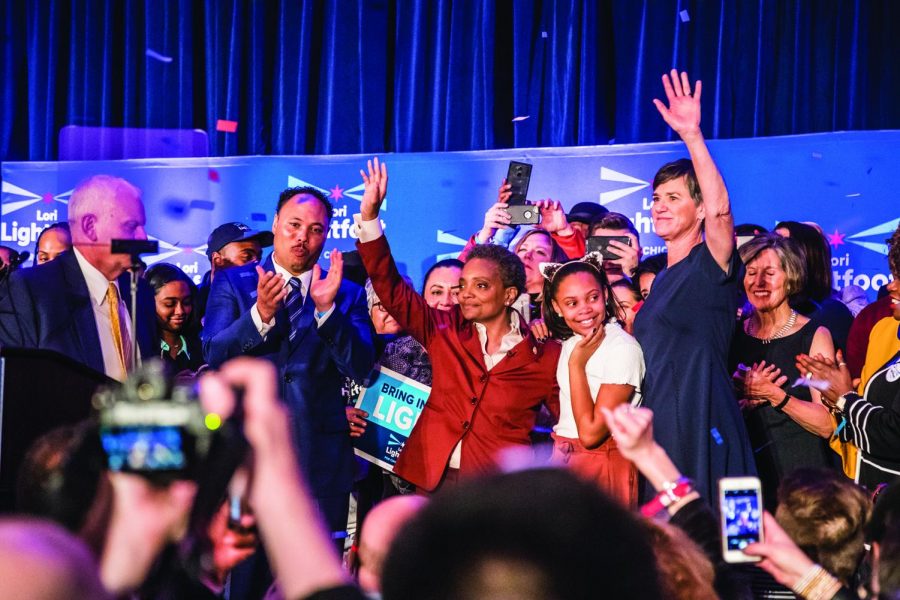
671	492
816	584
780	406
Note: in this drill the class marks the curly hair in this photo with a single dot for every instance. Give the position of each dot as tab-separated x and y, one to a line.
825	514
555	321
893	244
512	270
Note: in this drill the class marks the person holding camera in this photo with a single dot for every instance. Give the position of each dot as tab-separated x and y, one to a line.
491	375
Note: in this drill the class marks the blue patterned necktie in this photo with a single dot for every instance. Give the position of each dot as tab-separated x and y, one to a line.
294	306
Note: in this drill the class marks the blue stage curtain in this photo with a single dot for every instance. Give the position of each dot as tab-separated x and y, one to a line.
366	76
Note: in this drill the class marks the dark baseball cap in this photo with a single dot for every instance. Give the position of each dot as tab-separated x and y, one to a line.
235	232
586	212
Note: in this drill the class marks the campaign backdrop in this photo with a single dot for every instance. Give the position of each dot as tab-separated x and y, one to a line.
842	181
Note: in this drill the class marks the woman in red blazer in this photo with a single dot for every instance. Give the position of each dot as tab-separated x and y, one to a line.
490	374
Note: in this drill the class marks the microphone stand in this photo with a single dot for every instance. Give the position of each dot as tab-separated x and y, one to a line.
134	249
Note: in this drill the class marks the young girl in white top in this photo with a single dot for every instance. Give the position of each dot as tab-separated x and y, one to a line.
600	366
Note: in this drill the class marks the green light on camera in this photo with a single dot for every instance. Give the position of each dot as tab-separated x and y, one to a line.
212	421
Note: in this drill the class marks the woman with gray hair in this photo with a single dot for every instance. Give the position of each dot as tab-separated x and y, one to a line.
787	422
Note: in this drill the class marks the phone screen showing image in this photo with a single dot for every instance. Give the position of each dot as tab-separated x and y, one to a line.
145	448
742	514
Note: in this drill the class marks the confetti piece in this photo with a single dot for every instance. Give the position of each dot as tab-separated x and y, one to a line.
202	204
214	175
816	384
869	171
226	126
716	436
160	57
544	34
685	17
817	155
854	195
520	118
258	217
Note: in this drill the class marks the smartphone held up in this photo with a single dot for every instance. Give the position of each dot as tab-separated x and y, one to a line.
521	211
741	513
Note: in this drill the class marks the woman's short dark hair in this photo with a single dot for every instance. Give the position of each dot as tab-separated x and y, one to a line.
447	263
789	254
515	520
557	254
677	169
512	270
817	252
825	514
555	322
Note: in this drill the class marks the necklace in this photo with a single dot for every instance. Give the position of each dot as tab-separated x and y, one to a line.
788	325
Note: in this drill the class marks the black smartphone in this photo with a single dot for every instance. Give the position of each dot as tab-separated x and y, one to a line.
523	214
519	177
600	243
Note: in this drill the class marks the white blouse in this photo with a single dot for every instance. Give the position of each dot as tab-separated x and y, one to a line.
618	360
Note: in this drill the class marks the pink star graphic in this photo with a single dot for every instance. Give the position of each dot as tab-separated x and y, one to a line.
336	192
836	239
47	198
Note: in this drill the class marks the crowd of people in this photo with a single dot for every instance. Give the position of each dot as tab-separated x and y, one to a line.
730	354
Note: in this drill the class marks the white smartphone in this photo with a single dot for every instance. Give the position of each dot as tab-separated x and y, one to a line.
741	511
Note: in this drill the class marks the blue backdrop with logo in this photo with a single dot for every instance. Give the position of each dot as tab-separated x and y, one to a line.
843	181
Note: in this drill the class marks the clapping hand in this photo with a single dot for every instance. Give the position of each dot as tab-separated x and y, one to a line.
762	383
835	373
683	112
375	181
323	290
270	293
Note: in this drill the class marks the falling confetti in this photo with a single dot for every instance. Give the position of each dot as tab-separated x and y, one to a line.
716	436
160	57
685	17
202	204
520	118
855	195
544	34
816	384
213	175
226	126
817	155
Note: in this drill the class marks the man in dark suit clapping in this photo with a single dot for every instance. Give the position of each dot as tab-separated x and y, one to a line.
315	329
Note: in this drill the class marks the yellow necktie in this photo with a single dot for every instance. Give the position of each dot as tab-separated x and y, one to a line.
112	301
